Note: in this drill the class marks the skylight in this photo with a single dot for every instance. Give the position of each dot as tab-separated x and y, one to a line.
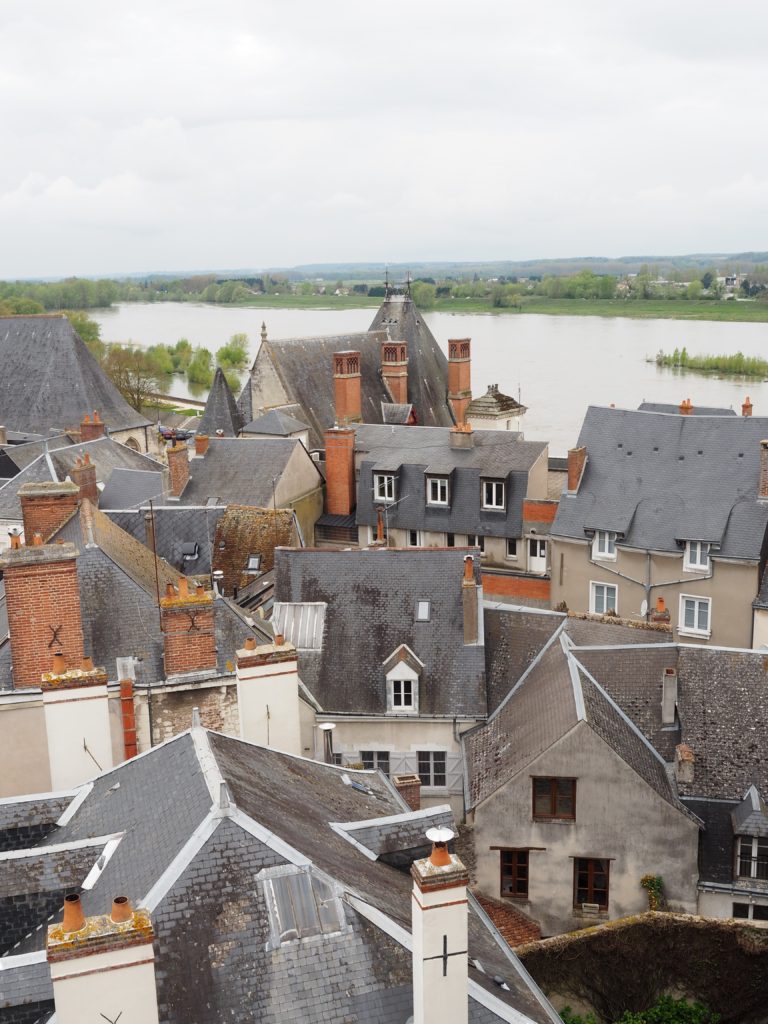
254	563
300	904
423	610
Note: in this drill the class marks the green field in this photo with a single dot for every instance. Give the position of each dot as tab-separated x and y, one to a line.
650	309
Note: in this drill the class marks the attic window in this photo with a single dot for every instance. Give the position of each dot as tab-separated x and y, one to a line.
254	563
212	502
190	552
422	611
300	904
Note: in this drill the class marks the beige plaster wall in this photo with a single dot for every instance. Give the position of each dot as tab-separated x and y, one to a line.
538	477
24	766
732	588
300	487
618	816
716	904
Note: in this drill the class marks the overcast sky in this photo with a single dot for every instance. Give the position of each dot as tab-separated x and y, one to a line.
243	133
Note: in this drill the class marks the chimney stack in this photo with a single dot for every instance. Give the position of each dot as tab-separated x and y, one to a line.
469	600
149	530
686	407
77	721
268	694
340	490
459	377
462	436
105	966
577	460
440	931
660	613
83	473
669	696
91	429
347	384
409	788
685	762
45	507
394	370
201	445
178	467
763	485
43	602
187	622
128	715
746	407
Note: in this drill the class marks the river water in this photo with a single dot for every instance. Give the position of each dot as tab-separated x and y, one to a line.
557	364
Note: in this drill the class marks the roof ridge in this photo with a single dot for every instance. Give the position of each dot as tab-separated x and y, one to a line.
524	676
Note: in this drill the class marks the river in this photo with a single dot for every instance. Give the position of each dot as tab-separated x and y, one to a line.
558	364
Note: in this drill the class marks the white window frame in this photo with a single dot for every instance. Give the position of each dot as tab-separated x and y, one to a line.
756	842
511	540
419	539
441	485
383	487
476	540
604	546
695	550
593	585
403	695
498	494
423	609
694	630
402	673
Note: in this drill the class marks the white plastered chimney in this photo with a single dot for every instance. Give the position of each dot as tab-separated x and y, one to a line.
268	694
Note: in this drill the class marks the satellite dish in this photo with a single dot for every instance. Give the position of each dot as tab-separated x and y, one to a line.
644	609
439	835
327	726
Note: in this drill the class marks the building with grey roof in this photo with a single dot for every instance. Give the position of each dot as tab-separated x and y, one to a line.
665	513
221	416
277	423
391	647
51	380
242	857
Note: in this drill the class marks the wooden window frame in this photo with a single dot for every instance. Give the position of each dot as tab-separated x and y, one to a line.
515	852
553	780
591	861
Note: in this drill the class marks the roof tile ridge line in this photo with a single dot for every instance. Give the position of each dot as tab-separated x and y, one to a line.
49	462
573	671
14	963
525	675
197	840
28	798
275	842
622	714
322	337
74	844
72	807
345	769
410	651
627	647
108	437
513	959
404	938
336	827
214	779
391	819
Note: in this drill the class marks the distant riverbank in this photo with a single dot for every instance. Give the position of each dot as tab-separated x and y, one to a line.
730	311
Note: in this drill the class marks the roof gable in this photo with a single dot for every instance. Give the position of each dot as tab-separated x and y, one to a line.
221	412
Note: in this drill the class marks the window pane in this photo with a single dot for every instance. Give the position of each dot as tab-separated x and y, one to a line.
689	614
565	798
703	617
425	767
407	693
383	761
759	913
366	756
449	540
610	598
741	910
438	762
542	797
511	548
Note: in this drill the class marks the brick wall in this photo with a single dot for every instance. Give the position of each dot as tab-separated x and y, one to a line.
189	641
340	472
44	513
43	600
539	511
178	467
347	387
172	712
524	587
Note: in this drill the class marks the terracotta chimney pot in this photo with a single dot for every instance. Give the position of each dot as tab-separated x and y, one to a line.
59	664
183	587
250	643
199	589
121	910
87	664
660	604
279	639
469	569
746	408
37	540
74	918
15	541
170	590
440	856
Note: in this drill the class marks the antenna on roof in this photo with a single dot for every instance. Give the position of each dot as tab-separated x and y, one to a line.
386	282
408	283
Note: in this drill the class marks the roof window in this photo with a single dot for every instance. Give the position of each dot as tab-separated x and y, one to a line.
300	903
423	609
254	563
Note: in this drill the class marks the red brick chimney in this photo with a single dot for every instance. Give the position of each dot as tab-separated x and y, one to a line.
347	383
762	491
340	495
92	428
686	407
128	715
746	407
178	467
201	444
409	788
577	460
47	506
83	473
189	640
394	370
43	601
469	601
459	377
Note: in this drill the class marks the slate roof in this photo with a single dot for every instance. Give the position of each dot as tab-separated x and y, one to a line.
209	907
23	454
427	364
413	453
221	411
276	422
750	818
175	527
56	464
370	598
238	471
130	487
304	367
659	480
394	412
50	379
400	832
550	699
513	638
493	403
697	410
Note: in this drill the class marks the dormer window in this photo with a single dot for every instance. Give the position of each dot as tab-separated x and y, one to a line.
752	860
604	545
437	490
493	494
403	695
254	563
403	671
696	556
383	487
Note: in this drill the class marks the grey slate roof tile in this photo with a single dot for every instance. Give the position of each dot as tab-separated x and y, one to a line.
221	411
276	422
128	488
370	598
659	480
50	379
512	640
239	471
175	526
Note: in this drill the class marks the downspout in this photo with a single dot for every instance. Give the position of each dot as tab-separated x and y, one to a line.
648	586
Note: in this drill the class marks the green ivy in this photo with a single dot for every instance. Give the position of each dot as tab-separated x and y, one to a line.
666	1011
